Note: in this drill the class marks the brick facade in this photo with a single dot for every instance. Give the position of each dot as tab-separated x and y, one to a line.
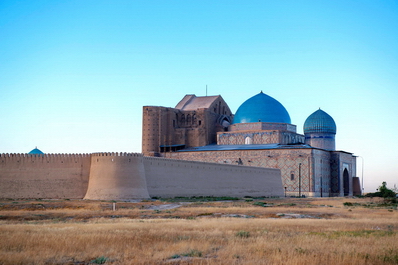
311	168
317	169
165	129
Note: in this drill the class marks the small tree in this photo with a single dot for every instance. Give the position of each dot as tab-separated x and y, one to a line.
383	191
386	192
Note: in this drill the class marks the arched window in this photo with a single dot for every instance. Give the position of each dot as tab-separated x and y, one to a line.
248	140
346	182
182	119
189	119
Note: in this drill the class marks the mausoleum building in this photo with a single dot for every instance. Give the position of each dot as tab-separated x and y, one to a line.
260	134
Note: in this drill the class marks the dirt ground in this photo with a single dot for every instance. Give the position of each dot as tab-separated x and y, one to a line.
83	210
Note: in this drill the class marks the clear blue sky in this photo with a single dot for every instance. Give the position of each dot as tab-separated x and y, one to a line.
74	75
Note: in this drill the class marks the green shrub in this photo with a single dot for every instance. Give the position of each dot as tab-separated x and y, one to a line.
242	234
190	253
383	192
100	260
263	204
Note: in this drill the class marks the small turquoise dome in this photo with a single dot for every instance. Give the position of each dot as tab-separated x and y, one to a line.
261	108
319	122
36	152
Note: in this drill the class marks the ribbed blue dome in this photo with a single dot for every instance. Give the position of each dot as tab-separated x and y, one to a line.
261	108
36	152
319	121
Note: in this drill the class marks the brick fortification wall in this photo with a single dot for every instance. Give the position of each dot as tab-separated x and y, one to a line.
44	176
288	161
172	178
125	176
116	176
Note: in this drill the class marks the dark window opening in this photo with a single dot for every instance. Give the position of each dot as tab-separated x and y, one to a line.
346	182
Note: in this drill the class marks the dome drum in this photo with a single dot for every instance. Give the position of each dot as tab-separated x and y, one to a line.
320	130
261	126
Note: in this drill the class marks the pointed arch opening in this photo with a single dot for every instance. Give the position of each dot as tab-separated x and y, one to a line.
346	182
248	140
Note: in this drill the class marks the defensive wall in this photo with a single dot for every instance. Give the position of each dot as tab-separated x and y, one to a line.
125	176
44	176
294	164
171	178
117	176
304	171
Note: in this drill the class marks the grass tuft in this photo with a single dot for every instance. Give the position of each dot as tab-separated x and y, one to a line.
193	253
100	260
242	234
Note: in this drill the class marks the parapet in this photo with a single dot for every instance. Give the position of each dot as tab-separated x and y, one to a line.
22	157
118	154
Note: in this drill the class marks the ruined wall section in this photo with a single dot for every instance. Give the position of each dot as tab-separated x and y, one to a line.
44	176
172	178
192	126
216	114
117	176
166	128
157	128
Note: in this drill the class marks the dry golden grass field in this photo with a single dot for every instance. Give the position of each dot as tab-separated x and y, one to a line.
195	231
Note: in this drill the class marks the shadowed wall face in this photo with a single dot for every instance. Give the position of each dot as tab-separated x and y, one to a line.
49	176
117	177
172	178
306	171
124	176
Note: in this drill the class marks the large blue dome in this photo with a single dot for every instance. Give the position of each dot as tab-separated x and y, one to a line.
261	108
320	122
